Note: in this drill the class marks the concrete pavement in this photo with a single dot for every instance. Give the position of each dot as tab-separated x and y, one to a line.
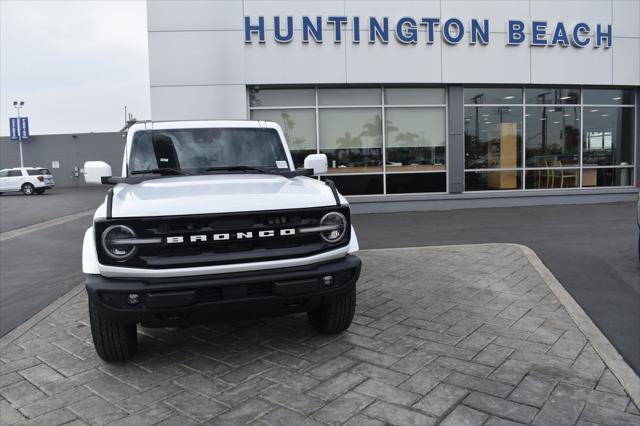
591	249
450	335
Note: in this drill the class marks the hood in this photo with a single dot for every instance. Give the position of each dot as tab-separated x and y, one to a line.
191	195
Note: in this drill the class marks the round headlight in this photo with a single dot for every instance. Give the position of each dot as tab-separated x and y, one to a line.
339	224
114	242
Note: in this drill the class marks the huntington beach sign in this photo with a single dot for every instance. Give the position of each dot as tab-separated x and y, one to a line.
410	30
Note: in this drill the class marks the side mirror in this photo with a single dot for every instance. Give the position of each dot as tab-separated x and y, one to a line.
317	162
94	171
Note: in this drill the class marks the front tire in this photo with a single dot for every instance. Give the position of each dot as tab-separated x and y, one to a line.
113	341
28	189
334	317
40	191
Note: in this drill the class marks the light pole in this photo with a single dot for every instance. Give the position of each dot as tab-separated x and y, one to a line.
17	105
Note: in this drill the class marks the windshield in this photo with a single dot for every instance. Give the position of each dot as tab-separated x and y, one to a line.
196	150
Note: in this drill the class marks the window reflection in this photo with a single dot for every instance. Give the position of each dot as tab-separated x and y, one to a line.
552	95
492	95
415	139
493	180
608	136
298	126
352	139
493	137
553	134
608	96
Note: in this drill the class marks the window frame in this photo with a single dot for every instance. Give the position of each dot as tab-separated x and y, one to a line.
382	106
581	167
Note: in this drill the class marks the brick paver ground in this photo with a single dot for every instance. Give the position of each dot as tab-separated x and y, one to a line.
453	335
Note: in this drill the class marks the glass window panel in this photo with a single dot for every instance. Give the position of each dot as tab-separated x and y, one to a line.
406	183
492	95
553	134
352	139
358	184
281	97
414	96
298	126
608	136
608	96
336	97
493	180
553	178
607	177
552	95
415	138
493	137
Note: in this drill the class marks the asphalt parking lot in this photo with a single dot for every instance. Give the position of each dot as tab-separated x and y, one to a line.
590	248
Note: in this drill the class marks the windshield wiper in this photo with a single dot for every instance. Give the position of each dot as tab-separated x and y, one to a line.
279	172
159	171
238	169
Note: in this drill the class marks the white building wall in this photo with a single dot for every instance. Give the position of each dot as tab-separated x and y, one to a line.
200	65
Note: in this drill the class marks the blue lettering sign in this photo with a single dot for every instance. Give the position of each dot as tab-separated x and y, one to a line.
407	30
337	22
277	30
13	128
560	36
600	35
578	30
479	33
379	31
538	29
309	29
24	128
430	24
453	37
515	32
250	29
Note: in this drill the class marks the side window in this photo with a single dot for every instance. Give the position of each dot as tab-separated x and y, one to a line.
15	173
4	173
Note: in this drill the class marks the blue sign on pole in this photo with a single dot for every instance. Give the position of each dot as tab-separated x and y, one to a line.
24	128
13	126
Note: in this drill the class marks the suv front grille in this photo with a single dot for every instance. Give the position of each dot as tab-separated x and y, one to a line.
179	241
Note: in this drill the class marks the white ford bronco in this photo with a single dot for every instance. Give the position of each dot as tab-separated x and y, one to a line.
210	221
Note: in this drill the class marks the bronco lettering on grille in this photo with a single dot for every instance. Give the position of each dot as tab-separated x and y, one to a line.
247	235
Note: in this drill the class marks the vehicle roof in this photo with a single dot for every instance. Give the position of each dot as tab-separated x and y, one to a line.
24	168
198	124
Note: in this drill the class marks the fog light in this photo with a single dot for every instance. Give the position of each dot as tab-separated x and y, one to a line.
133	299
327	280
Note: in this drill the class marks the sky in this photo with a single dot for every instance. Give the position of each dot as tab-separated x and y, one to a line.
75	64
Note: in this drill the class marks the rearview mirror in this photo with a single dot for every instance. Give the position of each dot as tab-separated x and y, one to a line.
317	162
94	171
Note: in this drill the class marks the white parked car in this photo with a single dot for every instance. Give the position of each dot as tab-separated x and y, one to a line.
211	221
28	180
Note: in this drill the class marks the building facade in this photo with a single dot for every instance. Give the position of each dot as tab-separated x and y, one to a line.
419	100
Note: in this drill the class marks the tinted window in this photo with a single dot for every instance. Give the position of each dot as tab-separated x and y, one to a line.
14	173
553	95
608	96
492	95
4	173
38	172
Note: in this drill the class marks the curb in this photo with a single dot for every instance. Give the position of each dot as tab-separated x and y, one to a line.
11	336
609	354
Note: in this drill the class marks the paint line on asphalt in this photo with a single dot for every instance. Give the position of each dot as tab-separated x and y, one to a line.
9	235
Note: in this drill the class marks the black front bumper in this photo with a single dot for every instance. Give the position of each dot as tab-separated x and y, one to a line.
206	299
